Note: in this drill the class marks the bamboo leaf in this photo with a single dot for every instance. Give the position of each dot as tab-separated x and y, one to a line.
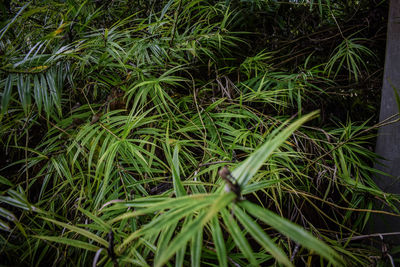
293	231
261	237
219	242
69	242
193	227
80	231
248	168
196	247
178	187
6	96
239	237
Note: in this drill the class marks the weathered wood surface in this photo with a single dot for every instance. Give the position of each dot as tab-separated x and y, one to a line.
388	141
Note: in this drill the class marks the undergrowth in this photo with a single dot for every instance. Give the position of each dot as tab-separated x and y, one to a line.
118	117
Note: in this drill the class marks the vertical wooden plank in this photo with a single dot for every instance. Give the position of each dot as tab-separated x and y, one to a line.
388	141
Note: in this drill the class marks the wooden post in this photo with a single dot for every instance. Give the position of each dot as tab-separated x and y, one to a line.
388	141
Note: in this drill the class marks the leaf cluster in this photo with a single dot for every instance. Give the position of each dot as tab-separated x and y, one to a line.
117	117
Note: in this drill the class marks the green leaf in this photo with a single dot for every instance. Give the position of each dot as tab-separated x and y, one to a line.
248	168
7	214
5	29
164	239
4	226
219	242
153	204
105	226
5	181
37	93
292	231
239	237
175	213
80	231
190	230
69	242
5	99
195	248
178	187
263	239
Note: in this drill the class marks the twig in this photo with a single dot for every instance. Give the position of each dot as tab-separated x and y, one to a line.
215	162
340	30
368	236
96	257
340	207
295	250
111	202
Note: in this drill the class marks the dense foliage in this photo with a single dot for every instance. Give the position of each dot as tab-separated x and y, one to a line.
116	117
